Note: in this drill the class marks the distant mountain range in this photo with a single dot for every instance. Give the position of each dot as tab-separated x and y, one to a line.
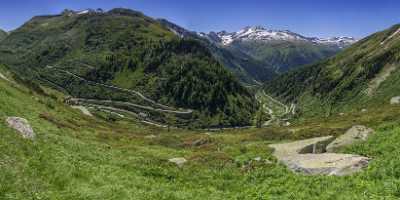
256	54
261	34
278	50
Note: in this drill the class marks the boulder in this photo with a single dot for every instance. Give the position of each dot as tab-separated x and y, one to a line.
309	157
354	135
395	100
22	126
326	164
178	161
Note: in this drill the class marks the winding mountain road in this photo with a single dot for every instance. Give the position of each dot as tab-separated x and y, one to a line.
140	95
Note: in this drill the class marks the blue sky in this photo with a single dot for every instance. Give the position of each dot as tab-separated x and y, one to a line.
321	18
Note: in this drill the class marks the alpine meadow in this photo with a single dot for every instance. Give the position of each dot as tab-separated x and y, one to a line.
188	100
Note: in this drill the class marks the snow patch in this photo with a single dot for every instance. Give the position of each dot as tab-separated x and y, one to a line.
83	12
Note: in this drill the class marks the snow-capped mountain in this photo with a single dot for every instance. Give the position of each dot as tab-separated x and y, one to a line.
70	13
259	33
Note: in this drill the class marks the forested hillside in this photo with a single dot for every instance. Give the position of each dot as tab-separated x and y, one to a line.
130	50
367	72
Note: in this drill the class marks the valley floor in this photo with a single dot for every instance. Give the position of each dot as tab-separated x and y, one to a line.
75	156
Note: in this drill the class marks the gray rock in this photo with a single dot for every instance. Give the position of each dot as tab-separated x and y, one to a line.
178	161
257	159
395	100
353	135
305	156
22	126
150	136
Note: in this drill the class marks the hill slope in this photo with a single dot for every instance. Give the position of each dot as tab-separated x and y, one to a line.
367	72
126	49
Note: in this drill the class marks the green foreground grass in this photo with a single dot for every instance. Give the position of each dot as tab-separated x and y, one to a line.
78	157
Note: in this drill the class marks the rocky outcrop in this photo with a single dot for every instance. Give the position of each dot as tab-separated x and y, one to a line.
309	157
353	135
22	126
395	100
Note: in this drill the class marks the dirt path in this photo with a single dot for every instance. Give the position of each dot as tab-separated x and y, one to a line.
4	77
84	110
391	36
380	78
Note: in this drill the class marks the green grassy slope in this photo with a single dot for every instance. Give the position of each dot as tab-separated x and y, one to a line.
348	80
78	157
130	50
